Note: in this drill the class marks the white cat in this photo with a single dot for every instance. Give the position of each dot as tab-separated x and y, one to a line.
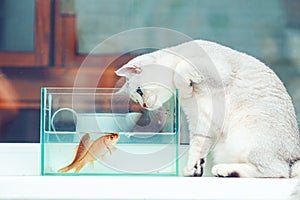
235	105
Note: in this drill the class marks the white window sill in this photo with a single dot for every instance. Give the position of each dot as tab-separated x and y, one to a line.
19	179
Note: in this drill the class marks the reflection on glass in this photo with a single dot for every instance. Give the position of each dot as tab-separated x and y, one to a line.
268	30
17	25
241	25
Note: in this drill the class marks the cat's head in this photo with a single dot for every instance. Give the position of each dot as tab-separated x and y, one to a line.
145	86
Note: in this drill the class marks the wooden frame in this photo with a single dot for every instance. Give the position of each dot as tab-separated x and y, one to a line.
40	57
63	69
66	44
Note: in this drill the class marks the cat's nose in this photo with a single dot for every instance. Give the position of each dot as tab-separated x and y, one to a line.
145	106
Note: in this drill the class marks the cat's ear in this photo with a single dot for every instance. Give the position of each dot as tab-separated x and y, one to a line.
129	70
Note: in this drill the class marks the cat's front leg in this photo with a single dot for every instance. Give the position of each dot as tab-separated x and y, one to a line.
196	170
199	148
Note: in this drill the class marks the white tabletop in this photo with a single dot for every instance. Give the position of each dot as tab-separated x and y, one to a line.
20	179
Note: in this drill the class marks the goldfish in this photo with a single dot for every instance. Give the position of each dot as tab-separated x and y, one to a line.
89	151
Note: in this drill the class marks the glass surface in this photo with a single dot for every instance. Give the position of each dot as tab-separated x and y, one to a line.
268	30
17	25
254	26
147	144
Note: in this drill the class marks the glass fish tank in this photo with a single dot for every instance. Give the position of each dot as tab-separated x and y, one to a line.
101	131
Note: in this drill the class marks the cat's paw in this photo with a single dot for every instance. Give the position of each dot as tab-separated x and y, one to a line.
197	170
224	170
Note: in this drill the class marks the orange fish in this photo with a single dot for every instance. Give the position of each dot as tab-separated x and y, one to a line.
89	151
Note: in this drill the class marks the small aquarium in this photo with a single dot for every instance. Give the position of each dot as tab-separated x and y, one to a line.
101	131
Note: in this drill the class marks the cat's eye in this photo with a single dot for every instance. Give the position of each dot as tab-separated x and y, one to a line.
139	91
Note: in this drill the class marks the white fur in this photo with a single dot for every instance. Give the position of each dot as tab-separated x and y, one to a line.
235	105
296	192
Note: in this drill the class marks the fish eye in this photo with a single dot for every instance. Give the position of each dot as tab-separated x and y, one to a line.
139	91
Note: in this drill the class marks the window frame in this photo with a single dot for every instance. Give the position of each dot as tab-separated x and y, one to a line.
66	44
40	56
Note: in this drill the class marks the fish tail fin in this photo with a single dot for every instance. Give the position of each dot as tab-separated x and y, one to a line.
76	166
67	168
92	163
79	167
81	163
